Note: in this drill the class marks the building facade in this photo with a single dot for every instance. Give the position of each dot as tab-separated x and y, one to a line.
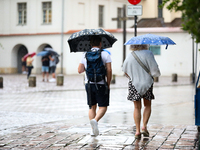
31	25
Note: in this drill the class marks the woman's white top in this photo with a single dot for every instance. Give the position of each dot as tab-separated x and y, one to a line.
141	80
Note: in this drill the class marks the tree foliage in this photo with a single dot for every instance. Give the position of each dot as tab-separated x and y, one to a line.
190	14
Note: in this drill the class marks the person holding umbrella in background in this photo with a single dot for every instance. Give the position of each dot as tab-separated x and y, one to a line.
29	64
52	65
45	68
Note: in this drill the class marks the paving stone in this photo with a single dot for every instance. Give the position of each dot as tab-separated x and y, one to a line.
129	147
167	146
185	143
184	148
110	147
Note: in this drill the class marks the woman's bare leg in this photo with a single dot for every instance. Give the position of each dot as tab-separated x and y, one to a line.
137	115
146	113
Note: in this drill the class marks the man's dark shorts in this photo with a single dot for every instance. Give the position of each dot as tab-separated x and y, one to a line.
98	96
52	69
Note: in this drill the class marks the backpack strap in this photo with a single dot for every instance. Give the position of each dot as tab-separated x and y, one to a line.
89	95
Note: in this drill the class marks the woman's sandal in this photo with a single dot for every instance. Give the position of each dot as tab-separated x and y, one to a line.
138	136
145	133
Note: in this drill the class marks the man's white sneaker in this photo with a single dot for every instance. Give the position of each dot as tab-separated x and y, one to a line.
94	125
52	80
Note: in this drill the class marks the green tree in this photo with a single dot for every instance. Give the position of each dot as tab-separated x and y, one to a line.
190	14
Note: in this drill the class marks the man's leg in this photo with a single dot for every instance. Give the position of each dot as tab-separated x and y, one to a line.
47	74
137	115
43	73
92	112
95	117
100	113
53	75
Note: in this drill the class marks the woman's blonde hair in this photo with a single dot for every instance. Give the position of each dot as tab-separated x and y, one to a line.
139	47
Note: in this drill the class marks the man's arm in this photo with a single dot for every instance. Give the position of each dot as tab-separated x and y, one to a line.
81	68
51	58
109	73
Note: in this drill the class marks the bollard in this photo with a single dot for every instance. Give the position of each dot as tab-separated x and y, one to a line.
192	78
174	77
113	79
1	82
32	81
60	79
156	79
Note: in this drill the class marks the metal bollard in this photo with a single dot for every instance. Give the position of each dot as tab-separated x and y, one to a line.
174	77
1	82
60	79
156	79
113	79
32	81
192	78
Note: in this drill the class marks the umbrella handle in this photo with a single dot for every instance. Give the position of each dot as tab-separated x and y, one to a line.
166	46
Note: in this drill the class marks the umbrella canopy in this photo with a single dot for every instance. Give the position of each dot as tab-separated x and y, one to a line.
80	41
43	53
150	39
51	51
31	54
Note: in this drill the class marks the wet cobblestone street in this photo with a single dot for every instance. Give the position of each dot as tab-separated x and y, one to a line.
55	117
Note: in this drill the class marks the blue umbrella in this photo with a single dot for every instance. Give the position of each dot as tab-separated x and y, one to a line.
51	51
43	53
150	39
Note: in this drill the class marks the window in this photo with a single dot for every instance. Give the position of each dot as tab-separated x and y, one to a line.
47	12
101	15
22	13
155	49
160	15
119	15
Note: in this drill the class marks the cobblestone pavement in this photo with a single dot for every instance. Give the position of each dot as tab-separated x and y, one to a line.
120	137
171	125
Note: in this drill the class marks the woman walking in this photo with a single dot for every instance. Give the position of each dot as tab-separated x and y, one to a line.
29	65
140	84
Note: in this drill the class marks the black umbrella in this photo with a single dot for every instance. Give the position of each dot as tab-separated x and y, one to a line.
80	41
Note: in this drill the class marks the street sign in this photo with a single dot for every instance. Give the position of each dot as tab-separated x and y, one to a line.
133	10
134	2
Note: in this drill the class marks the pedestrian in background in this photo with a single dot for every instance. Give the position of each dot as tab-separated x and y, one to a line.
141	84
45	68
52	65
29	65
23	66
96	92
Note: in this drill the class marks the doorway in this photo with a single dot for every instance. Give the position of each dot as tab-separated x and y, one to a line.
21	52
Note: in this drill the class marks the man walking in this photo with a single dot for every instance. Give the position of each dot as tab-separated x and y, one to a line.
98	92
45	68
52	67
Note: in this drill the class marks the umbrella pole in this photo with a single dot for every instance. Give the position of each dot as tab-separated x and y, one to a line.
135	25
62	36
124	33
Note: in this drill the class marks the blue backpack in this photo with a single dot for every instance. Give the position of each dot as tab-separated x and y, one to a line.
95	70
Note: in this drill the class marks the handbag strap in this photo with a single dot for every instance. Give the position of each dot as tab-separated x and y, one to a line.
141	64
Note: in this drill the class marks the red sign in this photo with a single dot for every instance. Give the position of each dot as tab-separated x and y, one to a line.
134	2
